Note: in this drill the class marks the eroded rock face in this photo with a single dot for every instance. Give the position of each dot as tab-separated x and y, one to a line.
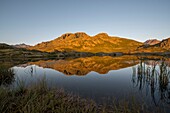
64	36
81	34
73	36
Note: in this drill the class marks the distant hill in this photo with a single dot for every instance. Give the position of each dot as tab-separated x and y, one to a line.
151	42
5	46
82	42
162	46
9	51
21	45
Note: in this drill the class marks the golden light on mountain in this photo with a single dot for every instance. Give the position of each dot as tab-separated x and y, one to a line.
82	42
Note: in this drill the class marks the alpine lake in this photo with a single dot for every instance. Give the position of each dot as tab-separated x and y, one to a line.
104	79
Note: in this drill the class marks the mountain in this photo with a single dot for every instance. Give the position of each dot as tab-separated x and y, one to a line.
163	46
5	46
11	52
21	45
151	42
82	42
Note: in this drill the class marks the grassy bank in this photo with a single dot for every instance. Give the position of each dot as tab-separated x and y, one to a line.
38	98
6	74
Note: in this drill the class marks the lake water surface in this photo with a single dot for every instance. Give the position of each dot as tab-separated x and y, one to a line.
104	79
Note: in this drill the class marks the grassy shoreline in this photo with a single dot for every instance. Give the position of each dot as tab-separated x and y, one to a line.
39	98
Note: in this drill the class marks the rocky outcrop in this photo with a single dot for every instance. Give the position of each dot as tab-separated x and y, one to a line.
165	43
73	36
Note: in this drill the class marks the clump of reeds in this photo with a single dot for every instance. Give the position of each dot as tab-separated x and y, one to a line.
40	99
6	75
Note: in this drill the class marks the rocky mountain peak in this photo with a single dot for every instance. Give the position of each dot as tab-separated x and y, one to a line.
151	42
80	34
75	35
102	35
65	35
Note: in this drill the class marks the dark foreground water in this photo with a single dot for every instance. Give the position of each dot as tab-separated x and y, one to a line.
104	79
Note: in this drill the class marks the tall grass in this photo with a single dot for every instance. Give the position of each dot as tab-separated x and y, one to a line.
38	98
156	77
6	75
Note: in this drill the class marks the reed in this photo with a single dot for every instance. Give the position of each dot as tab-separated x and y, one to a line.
6	75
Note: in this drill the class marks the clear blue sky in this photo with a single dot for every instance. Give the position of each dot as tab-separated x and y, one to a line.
34	21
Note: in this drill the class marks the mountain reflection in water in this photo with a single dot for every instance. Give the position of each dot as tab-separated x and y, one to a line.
82	66
104	78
